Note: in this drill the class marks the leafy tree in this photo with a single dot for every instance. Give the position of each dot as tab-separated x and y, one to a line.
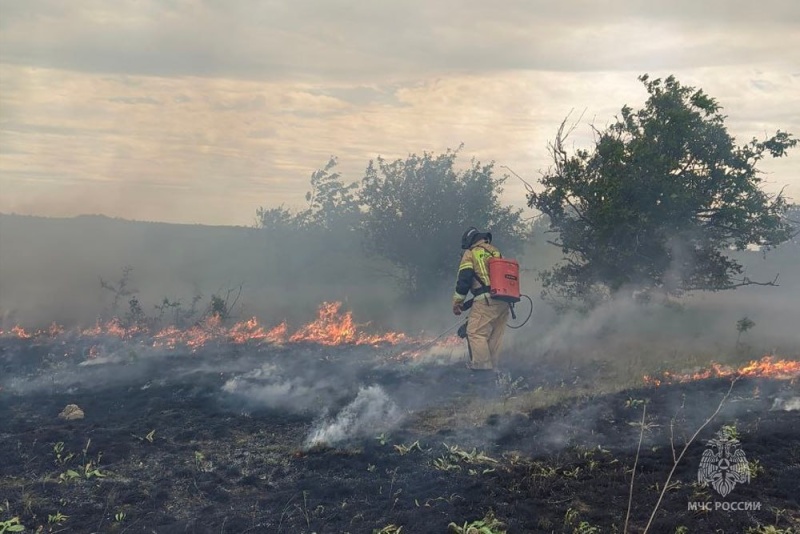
416	210
659	200
793	218
279	218
332	204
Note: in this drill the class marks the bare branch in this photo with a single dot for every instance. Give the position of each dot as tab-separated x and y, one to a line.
556	147
235	300
521	179
747	282
633	472
579	212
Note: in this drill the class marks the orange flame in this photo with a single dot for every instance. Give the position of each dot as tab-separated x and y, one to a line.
211	329
331	327
334	328
114	328
766	367
250	331
193	337
20	332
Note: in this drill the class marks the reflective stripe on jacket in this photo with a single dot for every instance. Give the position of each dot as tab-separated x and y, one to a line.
474	269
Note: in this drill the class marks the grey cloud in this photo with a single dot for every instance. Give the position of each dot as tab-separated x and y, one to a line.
363	95
349	39
263	133
135	100
247	103
50	129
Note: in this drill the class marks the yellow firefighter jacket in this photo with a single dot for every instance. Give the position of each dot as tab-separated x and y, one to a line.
473	271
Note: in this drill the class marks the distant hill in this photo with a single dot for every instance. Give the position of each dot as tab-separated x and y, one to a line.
50	268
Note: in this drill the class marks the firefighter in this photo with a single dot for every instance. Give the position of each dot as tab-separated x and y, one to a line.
487	322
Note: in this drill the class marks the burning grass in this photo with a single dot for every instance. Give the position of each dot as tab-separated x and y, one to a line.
332	327
766	367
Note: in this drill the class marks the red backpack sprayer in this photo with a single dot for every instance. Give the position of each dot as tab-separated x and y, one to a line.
503	286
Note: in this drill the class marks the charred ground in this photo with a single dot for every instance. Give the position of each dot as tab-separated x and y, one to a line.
221	440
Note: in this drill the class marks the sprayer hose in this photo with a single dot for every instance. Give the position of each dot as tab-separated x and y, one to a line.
526	318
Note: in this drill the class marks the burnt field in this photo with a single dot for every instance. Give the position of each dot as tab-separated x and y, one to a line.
302	437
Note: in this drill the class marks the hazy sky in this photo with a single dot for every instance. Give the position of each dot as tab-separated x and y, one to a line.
203	110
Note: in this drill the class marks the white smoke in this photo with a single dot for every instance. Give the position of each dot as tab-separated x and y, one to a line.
788	405
267	387
372	411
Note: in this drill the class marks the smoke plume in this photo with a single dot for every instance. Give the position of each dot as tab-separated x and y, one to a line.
372	411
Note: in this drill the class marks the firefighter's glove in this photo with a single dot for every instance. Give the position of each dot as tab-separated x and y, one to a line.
462	331
457	308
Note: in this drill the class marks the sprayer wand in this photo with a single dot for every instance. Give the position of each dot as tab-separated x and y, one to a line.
433	341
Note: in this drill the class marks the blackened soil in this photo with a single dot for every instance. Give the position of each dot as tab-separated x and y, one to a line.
217	442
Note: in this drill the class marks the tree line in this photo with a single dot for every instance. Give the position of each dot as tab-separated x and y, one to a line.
655	205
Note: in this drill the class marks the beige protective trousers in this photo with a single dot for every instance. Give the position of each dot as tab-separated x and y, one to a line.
485	329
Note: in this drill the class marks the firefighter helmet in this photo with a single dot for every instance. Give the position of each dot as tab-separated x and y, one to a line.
472	235
469	237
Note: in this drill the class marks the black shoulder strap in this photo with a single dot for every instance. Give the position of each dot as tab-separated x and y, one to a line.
484	286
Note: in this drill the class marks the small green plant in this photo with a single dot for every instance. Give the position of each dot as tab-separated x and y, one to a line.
90	470
570	517
150	437
585	528
456	456
543	470
633	403
68	476
383	439
509	386
488	525
200	462
779	512
11	525
388	529
61	457
572	473
729	431
119	517
756	468
673	486
57	518
445	463
682	530
405	449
